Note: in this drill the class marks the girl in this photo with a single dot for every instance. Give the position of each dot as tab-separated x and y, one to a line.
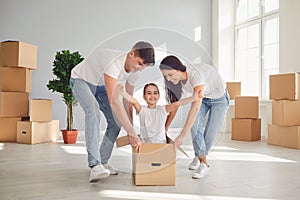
153	116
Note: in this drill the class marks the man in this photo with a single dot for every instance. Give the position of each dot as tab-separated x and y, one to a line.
93	82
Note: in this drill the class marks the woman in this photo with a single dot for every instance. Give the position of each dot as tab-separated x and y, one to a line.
197	79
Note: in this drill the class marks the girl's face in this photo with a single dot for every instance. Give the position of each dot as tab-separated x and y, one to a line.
151	95
171	75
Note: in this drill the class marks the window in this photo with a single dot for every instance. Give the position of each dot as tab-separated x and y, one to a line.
257	45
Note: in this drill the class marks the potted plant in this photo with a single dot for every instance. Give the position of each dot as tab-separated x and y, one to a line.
64	62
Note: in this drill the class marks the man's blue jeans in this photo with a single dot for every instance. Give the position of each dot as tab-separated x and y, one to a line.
217	108
92	99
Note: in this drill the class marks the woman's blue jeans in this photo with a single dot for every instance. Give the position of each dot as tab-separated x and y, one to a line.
216	109
93	99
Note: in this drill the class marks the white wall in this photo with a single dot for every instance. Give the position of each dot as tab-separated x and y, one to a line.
289	32
223	37
79	25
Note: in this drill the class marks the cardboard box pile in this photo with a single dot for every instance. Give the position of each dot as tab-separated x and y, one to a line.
285	94
234	89
246	126
39	126
154	165
17	60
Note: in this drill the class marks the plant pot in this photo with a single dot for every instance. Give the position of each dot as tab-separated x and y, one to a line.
69	137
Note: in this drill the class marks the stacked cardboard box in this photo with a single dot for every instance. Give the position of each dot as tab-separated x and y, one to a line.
39	126
17	60
246	126
285	95
234	89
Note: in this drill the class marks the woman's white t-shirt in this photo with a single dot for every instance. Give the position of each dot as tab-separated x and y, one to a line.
103	61
152	124
207	75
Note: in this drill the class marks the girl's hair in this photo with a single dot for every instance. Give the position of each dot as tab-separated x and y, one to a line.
150	84
173	92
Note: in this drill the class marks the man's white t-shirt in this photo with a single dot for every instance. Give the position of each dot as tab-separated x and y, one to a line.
204	74
152	124
103	61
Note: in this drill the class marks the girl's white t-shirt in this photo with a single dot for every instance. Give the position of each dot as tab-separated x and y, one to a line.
207	75
152	124
104	61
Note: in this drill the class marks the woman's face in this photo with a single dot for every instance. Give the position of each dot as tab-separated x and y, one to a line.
171	75
151	95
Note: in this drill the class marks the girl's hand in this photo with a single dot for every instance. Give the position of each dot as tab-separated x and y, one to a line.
119	88
198	95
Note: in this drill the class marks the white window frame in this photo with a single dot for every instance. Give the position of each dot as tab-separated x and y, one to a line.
261	19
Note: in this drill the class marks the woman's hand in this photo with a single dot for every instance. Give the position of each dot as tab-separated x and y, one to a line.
179	140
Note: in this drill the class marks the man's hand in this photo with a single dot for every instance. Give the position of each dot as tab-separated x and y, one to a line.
135	142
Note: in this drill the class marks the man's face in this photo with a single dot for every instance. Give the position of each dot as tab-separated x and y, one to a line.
134	63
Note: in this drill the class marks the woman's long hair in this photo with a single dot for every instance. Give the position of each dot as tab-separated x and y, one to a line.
173	92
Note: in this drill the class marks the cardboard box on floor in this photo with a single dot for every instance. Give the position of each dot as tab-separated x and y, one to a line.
18	54
13	104
246	107
246	129
285	86
40	110
286	112
8	129
286	136
234	89
37	132
154	165
15	79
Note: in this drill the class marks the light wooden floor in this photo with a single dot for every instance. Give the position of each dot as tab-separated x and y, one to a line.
239	170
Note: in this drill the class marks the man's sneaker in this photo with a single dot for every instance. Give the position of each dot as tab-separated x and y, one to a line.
98	172
201	171
194	164
112	171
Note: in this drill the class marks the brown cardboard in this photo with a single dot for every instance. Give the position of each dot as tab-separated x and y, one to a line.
246	129
15	79
8	129
13	104
286	112
246	107
40	110
234	89
285	86
122	141
18	54
37	132
155	164
286	136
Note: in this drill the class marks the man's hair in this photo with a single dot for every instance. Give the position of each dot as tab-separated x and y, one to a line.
145	51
